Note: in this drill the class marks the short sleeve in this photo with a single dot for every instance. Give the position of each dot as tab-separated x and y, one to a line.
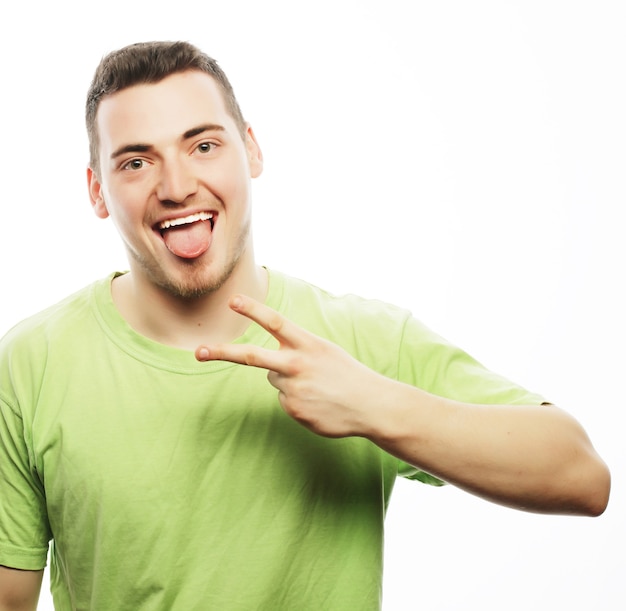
24	528
433	364
430	362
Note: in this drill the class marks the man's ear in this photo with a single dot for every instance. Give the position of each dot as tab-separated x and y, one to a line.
95	195
255	156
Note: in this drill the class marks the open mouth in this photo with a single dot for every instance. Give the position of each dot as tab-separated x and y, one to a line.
186	220
189	236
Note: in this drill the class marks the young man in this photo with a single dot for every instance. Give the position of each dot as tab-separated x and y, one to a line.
143	436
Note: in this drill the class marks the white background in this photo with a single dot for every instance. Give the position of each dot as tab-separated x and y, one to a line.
463	159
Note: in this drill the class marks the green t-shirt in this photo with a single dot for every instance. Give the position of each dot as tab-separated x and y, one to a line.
172	485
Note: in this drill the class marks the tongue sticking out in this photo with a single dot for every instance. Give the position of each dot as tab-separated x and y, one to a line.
190	240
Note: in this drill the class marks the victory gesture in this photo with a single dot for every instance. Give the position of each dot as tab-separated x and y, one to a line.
334	395
319	384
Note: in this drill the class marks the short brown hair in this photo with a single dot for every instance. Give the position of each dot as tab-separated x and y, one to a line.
150	62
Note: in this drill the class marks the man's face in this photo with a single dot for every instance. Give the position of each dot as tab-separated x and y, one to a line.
175	178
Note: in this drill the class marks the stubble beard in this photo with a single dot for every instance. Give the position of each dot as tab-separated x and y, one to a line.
196	280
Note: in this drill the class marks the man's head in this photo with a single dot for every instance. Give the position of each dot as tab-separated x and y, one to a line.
150	62
172	164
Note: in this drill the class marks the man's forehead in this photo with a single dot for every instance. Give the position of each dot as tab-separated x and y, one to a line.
173	104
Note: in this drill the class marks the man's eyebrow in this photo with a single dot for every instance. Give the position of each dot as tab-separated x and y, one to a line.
207	127
145	148
131	148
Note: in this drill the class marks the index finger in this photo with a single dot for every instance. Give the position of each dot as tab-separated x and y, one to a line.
285	331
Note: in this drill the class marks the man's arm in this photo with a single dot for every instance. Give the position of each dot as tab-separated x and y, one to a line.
535	458
19	590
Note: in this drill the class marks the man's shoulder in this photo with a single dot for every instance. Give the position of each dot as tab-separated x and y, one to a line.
299	294
347	319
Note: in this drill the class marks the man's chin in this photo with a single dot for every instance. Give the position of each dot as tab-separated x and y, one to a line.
196	283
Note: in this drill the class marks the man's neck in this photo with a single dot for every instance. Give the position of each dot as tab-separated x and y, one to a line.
186	323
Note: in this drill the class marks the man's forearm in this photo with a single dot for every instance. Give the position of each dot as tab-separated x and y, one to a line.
535	458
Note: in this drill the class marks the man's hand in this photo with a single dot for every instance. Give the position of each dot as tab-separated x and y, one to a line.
319	384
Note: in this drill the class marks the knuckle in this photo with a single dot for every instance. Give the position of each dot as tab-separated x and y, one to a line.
275	323
295	364
250	358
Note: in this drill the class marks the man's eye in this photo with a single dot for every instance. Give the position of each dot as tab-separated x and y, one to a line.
133	164
206	147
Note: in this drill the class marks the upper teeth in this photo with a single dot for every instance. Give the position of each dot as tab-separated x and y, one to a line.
192	218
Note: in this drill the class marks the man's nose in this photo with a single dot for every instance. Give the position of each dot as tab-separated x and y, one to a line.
176	182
